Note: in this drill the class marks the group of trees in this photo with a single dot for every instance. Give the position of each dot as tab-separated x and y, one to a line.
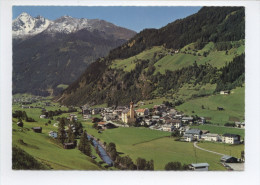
50	113
75	129
21	115
232	75
176	166
84	144
125	162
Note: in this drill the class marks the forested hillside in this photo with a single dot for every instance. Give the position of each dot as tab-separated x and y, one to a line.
205	49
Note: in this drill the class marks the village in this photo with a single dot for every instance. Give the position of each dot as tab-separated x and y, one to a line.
161	118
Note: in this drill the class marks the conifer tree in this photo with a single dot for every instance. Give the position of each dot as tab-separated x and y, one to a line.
71	136
61	131
84	144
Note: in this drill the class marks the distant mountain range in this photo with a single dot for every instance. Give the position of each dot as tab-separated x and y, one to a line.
48	54
204	51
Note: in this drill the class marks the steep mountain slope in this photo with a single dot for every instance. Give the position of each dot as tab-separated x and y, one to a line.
192	47
61	52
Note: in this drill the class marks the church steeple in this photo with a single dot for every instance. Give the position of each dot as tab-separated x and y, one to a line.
132	112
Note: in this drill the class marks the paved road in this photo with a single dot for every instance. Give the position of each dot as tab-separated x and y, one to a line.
195	145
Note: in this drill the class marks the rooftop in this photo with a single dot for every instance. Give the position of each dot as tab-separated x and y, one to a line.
195	165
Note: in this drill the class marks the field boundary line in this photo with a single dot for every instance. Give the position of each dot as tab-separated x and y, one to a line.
149	140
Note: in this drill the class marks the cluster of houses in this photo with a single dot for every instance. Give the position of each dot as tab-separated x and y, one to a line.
160	117
204	135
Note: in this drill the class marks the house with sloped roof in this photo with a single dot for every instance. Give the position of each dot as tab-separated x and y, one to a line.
199	167
228	159
231	138
142	112
211	137
196	133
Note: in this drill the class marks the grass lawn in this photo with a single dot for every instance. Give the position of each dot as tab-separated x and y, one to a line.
152	102
129	63
215	58
232	150
156	145
233	104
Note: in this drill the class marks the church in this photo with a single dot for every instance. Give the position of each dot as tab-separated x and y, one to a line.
128	116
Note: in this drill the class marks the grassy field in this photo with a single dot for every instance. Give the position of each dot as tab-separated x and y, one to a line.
152	102
129	63
187	91
44	149
63	86
231	150
156	145
233	104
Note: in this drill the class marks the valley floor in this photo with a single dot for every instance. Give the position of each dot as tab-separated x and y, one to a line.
135	142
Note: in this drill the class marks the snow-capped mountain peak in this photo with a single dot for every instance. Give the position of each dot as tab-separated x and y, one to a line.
26	25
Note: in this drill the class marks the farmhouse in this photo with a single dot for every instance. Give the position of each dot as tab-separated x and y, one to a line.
228	159
224	92
188	137
42	116
231	138
20	124
128	116
196	133
69	145
199	167
240	124
37	129
210	137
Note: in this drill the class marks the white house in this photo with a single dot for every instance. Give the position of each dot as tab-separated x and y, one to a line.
167	128
42	116
187	119
231	138
240	124
188	137
196	133
211	137
199	167
86	116
224	92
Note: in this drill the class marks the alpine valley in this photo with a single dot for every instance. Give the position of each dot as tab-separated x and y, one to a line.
89	95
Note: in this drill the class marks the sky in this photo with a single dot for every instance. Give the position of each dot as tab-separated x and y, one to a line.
131	17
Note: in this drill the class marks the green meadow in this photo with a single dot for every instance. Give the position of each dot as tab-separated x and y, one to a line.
129	63
231	150
157	145
50	153
233	104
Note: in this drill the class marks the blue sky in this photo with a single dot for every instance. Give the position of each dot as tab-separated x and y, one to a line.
135	18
